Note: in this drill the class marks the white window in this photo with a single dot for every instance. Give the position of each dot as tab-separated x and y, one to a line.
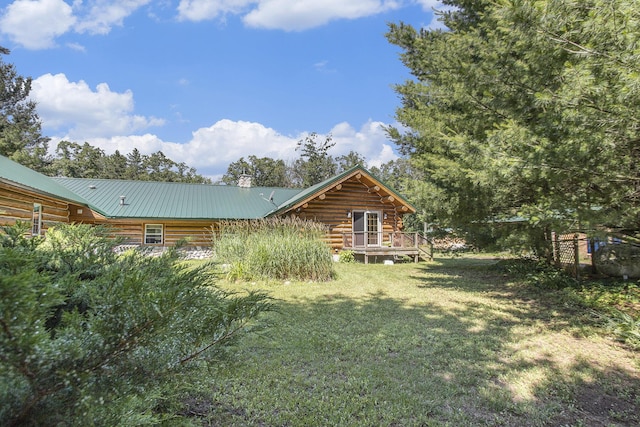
36	220
153	234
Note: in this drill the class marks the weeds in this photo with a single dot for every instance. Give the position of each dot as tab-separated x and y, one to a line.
615	304
538	273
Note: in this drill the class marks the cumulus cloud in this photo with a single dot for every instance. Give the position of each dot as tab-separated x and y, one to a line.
82	112
294	15
297	15
106	119
226	141
370	141
100	16
288	15
35	24
211	149
201	10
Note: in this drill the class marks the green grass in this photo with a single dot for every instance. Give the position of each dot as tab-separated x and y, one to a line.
452	342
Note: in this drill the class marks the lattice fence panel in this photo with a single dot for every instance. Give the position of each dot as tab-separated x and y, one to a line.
565	252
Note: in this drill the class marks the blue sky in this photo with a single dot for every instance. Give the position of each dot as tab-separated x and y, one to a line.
210	81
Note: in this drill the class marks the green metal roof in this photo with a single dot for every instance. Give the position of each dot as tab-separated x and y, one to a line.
25	177
171	200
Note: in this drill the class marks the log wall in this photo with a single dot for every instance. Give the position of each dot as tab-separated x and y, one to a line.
351	196
196	233
16	204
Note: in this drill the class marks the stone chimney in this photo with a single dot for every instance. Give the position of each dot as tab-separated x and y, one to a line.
244	181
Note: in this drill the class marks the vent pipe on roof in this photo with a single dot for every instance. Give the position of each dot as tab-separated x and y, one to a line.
122	200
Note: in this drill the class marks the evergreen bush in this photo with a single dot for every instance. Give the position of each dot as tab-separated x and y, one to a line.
94	338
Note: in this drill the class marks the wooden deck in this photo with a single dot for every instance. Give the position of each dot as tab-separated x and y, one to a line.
394	245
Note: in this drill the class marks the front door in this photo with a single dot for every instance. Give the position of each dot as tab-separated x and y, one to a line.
366	228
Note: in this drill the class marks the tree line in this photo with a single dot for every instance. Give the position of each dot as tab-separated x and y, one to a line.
313	165
85	161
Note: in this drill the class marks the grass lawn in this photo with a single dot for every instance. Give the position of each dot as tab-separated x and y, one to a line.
451	342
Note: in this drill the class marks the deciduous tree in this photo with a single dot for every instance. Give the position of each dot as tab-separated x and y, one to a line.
264	171
315	163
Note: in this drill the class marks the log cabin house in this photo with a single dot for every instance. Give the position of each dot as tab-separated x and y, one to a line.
361	213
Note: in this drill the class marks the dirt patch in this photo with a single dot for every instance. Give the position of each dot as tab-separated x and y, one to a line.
210	413
603	404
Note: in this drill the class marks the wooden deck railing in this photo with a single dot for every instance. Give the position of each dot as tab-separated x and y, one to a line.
376	242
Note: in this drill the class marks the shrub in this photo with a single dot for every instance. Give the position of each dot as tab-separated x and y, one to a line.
538	273
624	326
347	257
274	248
90	337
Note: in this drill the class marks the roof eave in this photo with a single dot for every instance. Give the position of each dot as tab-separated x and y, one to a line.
327	185
45	193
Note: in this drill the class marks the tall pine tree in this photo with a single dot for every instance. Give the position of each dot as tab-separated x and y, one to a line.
526	108
20	128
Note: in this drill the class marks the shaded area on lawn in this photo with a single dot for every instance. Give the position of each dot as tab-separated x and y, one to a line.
455	343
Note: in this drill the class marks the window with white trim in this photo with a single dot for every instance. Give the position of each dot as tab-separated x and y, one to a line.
153	234
36	220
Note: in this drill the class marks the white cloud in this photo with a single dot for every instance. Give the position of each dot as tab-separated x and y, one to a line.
35	24
103	15
201	10
83	113
226	141
429	4
77	47
370	141
297	15
288	15
212	149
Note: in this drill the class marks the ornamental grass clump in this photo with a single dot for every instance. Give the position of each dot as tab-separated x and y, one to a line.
274	248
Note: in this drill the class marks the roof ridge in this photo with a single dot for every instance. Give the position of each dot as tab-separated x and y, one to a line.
60	178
